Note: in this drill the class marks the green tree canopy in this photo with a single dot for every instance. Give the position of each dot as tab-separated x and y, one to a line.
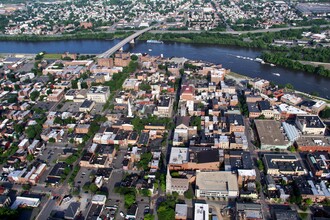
129	200
34	95
33	131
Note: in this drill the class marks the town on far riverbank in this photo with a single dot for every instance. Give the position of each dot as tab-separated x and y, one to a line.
140	136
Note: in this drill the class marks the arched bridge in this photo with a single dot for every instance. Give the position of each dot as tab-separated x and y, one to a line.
112	50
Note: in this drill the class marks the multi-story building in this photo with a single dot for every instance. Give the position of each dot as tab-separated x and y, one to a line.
98	94
164	107
287	164
175	184
181	211
313	143
122	59
201	211
108	62
217	184
270	135
310	124
56	95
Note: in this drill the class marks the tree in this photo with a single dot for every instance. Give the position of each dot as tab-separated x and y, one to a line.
189	194
74	84
144	87
26	187
34	95
71	159
144	161
289	86
33	131
309	202
30	157
134	57
129	200
17	87
145	192
325	113
166	208
7	213
292	149
51	140
19	128
84	85
12	99
132	66
196	121
260	165
93	188
148	217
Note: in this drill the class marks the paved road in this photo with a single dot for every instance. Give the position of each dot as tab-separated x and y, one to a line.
235	32
228	31
254	157
44	214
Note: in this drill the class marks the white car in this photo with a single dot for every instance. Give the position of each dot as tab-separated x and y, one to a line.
122	214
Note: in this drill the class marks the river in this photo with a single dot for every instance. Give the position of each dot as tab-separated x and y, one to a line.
227	56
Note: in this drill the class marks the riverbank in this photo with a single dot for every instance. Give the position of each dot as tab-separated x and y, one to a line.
239	77
78	36
316	64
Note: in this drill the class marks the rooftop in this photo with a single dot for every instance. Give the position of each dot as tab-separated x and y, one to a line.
181	209
99	89
311	121
178	155
164	101
269	132
283	162
216	181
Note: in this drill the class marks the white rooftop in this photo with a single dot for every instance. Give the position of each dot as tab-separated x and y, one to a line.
178	155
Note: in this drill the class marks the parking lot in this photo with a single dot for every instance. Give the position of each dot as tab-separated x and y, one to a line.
83	177
50	154
97	109
143	203
72	107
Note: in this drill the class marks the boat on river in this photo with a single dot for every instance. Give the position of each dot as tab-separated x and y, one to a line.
155	41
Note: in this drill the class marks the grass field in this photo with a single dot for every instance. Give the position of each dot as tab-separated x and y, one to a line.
52	56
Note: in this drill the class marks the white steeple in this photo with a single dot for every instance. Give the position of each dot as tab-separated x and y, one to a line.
130	114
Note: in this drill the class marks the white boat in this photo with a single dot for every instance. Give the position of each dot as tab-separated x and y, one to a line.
276	74
259	60
238	56
155	41
272	64
150	49
262	62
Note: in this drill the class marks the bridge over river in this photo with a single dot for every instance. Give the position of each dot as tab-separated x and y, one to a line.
112	50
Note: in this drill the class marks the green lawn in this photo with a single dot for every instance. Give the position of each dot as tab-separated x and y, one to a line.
52	56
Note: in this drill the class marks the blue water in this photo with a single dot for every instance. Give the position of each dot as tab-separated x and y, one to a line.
226	56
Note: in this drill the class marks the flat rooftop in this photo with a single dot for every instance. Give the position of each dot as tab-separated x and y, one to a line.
311	121
86	104
178	155
99	89
321	141
283	162
164	101
269	132
217	181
